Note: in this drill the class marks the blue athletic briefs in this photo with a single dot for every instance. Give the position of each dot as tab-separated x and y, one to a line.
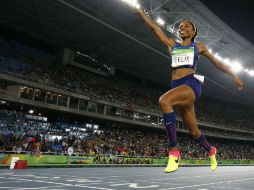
190	81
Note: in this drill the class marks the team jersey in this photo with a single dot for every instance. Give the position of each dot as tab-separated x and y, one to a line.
184	56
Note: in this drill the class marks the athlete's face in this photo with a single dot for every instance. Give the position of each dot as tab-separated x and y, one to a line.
186	30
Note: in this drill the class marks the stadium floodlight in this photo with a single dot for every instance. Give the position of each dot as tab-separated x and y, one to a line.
250	72
31	111
160	21
236	66
132	3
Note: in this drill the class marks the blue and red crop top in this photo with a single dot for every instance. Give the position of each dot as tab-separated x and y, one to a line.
184	56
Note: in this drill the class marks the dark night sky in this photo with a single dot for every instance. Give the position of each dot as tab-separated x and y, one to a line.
238	14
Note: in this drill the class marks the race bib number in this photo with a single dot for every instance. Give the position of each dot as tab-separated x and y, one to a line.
182	57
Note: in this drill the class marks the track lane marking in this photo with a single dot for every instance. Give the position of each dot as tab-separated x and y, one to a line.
63	184
205	184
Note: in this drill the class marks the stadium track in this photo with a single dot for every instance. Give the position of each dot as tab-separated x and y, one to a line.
198	178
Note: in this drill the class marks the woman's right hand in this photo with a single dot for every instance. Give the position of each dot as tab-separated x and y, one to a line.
168	42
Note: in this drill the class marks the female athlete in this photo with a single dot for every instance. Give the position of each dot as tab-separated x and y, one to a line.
186	88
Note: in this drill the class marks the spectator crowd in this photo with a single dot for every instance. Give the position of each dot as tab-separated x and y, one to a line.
18	134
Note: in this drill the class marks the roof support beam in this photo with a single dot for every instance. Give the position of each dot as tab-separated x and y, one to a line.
111	27
160	5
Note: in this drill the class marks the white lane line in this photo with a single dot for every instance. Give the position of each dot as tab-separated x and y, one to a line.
228	187
47	187
11	182
20	179
160	179
162	174
205	184
170	184
135	185
170	178
103	182
85	181
118	173
6	173
6	187
70	180
89	181
122	184
35	188
65	184
142	187
23	175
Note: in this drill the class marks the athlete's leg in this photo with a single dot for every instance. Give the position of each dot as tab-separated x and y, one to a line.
189	119
180	96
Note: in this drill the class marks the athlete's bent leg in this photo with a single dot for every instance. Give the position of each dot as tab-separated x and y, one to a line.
181	95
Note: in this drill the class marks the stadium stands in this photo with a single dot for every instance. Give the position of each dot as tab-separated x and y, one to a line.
18	133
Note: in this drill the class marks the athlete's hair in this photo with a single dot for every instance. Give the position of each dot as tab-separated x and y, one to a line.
194	28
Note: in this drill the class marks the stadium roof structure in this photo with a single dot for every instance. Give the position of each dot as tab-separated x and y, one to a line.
112	29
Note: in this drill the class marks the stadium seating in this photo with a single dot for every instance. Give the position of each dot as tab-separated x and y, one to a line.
19	134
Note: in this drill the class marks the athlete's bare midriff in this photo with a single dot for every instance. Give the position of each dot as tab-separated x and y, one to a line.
180	73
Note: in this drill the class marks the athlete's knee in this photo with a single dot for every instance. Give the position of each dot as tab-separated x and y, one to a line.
164	102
